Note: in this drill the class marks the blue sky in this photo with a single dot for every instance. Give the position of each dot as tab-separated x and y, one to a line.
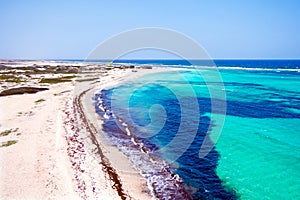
226	29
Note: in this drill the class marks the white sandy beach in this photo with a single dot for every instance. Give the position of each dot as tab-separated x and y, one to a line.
60	151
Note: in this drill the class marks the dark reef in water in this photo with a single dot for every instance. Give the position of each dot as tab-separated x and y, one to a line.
200	173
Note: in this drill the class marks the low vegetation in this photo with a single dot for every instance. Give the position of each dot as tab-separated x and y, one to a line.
43	69
7	132
87	79
40	100
21	90
10	78
8	143
6	76
57	80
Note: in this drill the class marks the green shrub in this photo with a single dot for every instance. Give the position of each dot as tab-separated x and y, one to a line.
8	143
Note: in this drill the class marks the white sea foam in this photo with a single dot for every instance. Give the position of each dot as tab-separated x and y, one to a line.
106	116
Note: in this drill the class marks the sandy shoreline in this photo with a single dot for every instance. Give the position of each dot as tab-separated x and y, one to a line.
36	167
60	150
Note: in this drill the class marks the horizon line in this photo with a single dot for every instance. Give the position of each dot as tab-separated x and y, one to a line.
81	59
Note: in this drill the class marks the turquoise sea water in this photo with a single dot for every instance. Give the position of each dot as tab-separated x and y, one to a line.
257	155
260	155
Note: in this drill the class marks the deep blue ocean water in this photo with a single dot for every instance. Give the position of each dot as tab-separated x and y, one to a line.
242	63
163	122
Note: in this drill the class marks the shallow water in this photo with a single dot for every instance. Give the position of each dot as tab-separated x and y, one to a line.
256	155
